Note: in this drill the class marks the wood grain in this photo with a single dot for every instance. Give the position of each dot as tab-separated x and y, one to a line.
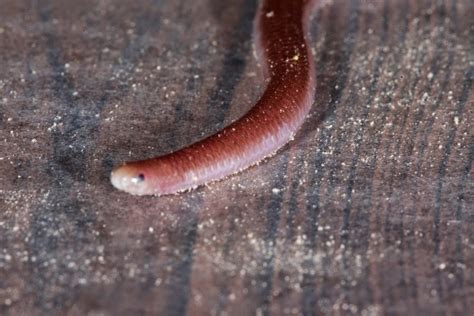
368	211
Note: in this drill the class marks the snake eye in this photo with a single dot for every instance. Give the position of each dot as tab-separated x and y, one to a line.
138	179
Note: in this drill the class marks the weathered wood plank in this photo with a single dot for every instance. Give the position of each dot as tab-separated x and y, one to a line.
368	211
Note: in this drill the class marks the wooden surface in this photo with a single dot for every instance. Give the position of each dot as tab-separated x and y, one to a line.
369	211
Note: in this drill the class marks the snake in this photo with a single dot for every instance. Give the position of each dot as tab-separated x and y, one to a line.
280	35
